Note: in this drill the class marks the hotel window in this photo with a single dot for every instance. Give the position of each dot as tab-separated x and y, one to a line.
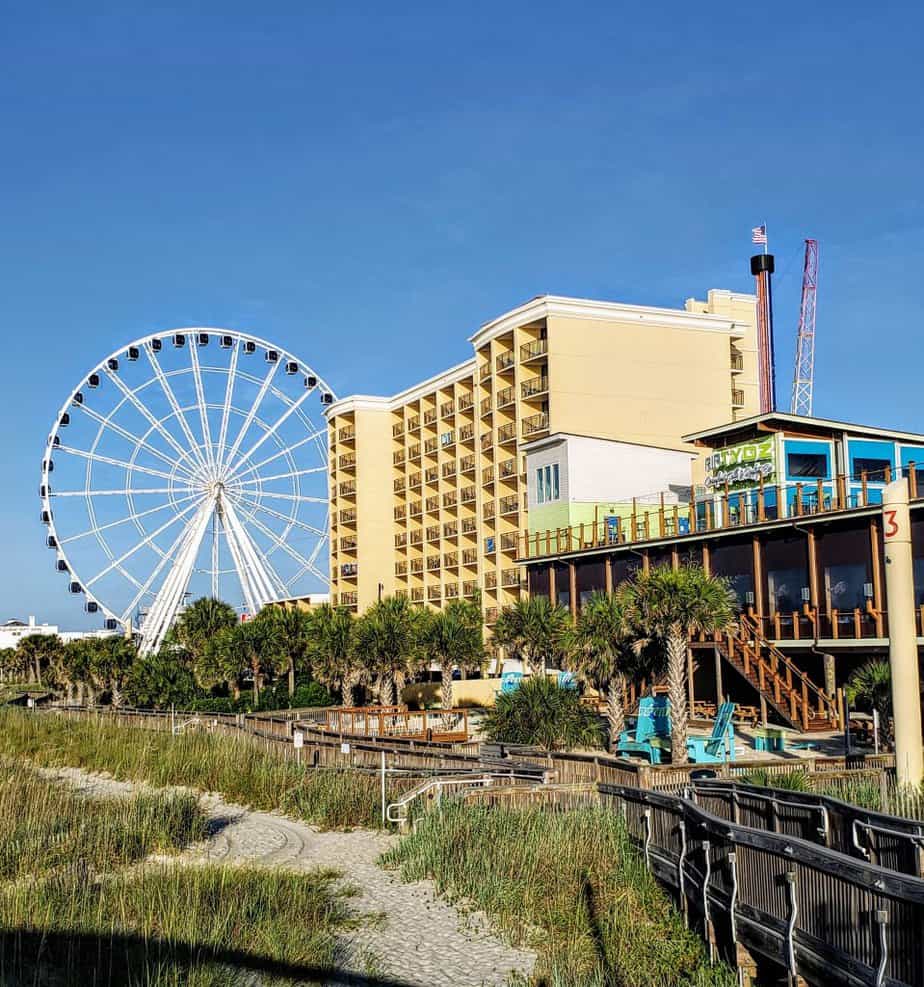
547	484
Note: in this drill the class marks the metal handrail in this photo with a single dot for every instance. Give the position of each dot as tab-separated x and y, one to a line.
441	783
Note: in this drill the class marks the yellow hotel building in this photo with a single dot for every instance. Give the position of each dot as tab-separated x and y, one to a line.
428	487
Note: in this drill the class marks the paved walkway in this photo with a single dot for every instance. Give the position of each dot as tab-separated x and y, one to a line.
421	940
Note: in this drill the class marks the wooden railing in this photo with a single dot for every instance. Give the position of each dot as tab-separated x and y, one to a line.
807	910
653	517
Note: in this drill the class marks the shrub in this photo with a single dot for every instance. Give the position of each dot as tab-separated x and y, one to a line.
542	714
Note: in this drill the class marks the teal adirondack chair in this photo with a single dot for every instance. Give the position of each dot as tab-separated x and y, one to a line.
720	745
652	730
653	735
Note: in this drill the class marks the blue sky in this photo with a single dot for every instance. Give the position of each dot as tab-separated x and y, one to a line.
367	183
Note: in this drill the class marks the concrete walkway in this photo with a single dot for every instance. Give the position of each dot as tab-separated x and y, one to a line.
419	940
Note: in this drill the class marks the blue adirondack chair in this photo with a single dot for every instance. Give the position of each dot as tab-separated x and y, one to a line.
652	730
720	745
653	735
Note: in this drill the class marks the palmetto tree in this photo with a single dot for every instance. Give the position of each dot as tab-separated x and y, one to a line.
110	660
670	605
604	652
293	627
870	688
388	643
331	650
200	622
534	631
37	652
452	638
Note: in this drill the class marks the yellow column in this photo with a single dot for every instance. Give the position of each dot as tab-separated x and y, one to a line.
903	648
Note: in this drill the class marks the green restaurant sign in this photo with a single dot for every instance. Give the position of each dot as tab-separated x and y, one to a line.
743	465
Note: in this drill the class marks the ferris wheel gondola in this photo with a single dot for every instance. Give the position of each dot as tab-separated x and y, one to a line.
190	469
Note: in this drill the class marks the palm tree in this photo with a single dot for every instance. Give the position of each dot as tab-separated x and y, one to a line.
535	631
331	650
111	660
256	646
870	688
670	605
37	652
452	638
293	627
200	622
388	643
604	652
221	663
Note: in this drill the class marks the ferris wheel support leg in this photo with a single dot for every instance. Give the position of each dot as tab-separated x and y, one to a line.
171	593
268	583
243	572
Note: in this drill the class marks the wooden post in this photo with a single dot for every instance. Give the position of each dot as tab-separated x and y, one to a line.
661	517
813	568
553	596
691	698
572	589
757	564
608	574
719	692
876	558
761	511
707	568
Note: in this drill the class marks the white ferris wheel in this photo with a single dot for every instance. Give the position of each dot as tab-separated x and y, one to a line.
188	463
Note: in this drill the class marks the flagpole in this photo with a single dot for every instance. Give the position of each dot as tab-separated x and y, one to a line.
766	237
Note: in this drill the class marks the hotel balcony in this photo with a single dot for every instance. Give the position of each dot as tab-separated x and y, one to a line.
433	505
469	526
347	488
535	424
347	461
431	474
535	387
470	556
429	416
468	495
398	485
349	599
487	406
400	512
467	464
413	424
348	516
467	433
452	591
450	529
487	440
533	350
506	397
401	568
488	510
466	402
346	434
415	480
401	539
433	532
447	409
430	447
451	560
416	566
447	440
433	563
448	470
737	398
433	593
397	430
397	457
349	569
508	433
417	594
504	361
508	469
490	616
490	580
450	499
510	578
416	509
508	505
509	541
737	363
413	453
469	586
347	544
487	476
485	372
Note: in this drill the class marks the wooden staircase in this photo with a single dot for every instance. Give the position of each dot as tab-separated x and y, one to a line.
786	688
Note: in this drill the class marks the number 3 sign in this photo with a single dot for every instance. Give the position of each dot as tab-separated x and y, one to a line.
891	528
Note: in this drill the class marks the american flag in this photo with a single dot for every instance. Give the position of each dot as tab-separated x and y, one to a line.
759	235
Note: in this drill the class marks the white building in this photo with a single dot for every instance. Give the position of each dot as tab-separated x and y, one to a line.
13	631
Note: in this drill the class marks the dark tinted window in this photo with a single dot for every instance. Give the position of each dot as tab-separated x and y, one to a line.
807	464
873	468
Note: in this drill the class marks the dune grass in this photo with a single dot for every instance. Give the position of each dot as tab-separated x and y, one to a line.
170	924
45	825
570	885
236	768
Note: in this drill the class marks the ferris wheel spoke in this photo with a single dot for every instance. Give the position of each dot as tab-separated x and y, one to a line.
281	476
125	520
174	404
288	519
251	414
158	569
226	408
200	398
138	442
279	542
296	498
123	492
289	449
96	457
271	431
141	407
144	542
